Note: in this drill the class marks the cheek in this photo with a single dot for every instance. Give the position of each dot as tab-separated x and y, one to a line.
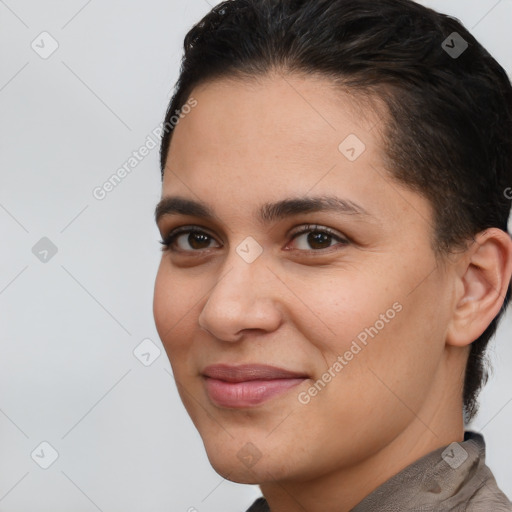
379	384
173	303
389	361
162	303
387	337
332	308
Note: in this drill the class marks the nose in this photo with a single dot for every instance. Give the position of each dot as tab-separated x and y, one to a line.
244	297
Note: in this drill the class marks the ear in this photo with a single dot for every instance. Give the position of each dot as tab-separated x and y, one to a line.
484	274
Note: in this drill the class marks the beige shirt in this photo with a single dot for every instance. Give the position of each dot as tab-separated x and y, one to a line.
450	479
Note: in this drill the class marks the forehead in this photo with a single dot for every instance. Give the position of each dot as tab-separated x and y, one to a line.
271	122
246	143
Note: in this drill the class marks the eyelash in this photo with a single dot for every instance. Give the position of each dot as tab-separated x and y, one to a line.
169	239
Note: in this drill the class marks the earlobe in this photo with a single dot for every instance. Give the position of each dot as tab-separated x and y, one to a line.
485	276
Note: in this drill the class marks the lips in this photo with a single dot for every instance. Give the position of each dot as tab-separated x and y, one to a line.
248	372
247	385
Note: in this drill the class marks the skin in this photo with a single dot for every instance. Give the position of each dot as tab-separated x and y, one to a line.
299	306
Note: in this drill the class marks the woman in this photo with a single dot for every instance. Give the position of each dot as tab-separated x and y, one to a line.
336	186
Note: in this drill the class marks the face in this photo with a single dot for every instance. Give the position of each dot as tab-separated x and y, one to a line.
312	260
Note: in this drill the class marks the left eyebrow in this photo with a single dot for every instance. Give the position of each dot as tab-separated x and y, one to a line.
268	212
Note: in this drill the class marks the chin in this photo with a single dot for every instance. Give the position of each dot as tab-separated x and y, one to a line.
244	464
232	469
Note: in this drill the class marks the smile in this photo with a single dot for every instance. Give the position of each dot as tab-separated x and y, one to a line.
248	393
247	385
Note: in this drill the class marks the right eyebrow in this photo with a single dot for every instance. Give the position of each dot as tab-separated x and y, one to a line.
176	205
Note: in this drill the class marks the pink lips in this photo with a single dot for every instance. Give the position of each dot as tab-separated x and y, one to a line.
247	385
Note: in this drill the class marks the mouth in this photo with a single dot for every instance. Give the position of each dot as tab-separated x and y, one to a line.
248	385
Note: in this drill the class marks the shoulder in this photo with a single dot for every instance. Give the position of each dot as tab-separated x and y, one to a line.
488	496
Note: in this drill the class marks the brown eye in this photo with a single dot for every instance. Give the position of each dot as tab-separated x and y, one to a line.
187	240
317	238
198	240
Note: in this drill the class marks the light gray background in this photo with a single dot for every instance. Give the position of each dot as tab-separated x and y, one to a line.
68	327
